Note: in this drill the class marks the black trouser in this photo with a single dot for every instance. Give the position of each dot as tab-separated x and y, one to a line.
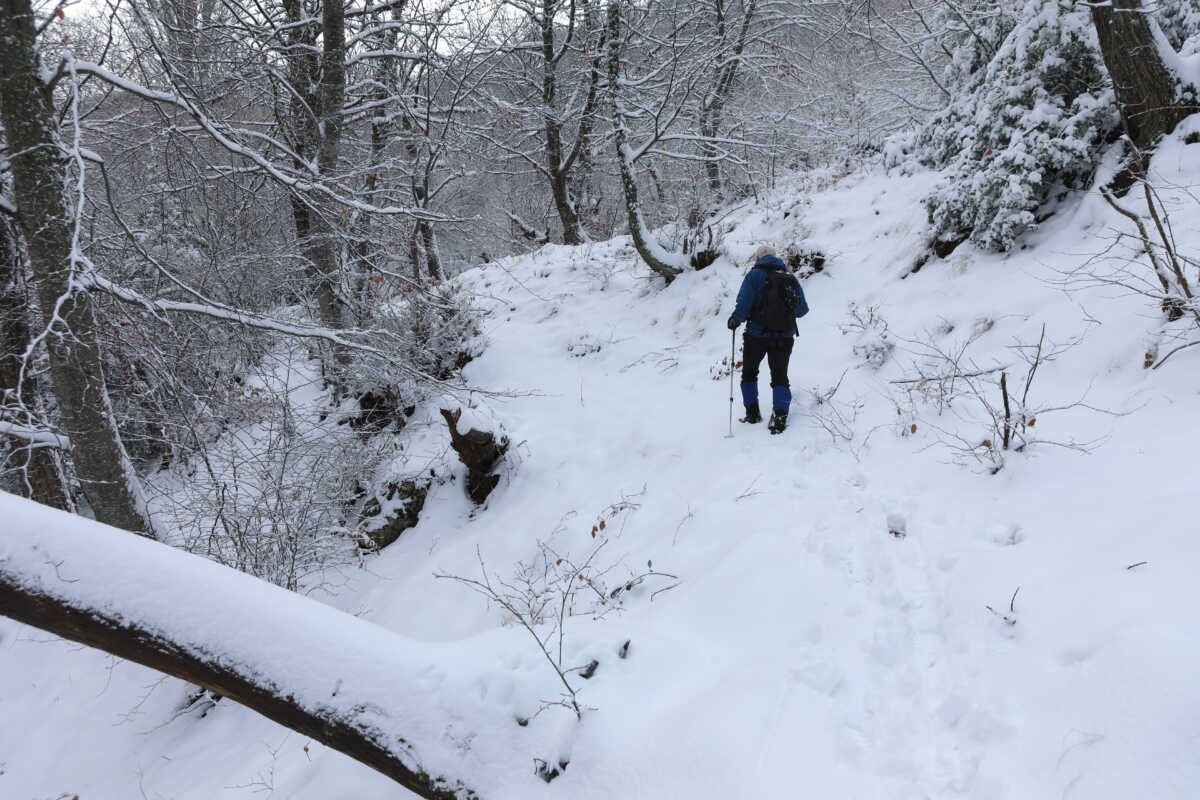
778	352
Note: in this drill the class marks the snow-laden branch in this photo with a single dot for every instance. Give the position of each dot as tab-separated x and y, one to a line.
226	140
340	680
349	339
35	436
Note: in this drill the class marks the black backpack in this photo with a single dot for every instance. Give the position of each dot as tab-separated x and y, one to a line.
782	297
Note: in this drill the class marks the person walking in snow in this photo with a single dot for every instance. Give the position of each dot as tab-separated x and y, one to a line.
772	300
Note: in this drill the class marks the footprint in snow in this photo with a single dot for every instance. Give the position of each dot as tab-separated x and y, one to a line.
820	676
1004	534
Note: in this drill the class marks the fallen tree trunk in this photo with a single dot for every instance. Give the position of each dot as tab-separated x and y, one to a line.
328	675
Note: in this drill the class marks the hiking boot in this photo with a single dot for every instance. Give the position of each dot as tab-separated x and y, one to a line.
752	414
778	422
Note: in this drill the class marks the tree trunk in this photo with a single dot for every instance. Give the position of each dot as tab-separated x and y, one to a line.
39	467
316	122
369	254
655	257
414	251
581	159
92	585
325	258
1146	90
712	164
433	259
424	230
39	168
556	166
560	189
710	113
712	107
179	18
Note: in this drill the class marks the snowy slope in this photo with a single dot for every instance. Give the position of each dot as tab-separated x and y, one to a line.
803	649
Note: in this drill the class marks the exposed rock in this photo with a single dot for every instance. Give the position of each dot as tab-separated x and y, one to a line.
805	262
480	451
405	515
379	409
943	247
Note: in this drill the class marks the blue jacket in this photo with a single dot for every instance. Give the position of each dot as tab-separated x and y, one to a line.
751	295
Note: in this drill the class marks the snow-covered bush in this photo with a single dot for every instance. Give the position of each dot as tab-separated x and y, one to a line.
872	345
174	387
1024	121
545	593
1180	22
277	497
250	461
434	331
439	328
974	408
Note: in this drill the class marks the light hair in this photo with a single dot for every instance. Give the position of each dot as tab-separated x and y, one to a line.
763	252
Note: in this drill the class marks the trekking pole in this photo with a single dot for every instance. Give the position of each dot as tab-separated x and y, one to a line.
732	356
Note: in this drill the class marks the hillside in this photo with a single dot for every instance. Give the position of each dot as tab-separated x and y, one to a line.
874	604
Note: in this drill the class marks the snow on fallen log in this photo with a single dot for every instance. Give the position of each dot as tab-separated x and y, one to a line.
359	689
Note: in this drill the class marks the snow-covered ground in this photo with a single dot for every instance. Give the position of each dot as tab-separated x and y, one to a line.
1004	647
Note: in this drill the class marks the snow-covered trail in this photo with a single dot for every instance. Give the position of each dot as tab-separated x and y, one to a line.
804	639
804	650
790	578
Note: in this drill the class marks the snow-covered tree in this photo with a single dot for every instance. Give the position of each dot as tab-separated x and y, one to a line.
1180	23
1023	121
61	276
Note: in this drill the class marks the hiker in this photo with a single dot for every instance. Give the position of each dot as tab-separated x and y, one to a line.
772	300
